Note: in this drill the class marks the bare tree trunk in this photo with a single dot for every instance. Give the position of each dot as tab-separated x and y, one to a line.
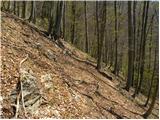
101	37
73	22
97	26
134	39
33	12
18	8
8	7
24	9
57	26
130	45
137	54
106	43
86	28
14	7
64	19
148	112
143	48
51	18
152	79
150	42
116	32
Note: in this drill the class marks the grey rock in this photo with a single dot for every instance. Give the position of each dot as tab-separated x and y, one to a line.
31	93
47	81
50	55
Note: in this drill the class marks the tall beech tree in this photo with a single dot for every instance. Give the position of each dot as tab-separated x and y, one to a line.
23	9
51	18
14	7
32	17
101	33
57	26
116	32
73	9
130	48
148	112
152	79
142	47
86	27
64	19
134	39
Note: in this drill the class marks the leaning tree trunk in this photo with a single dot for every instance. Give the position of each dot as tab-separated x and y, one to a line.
152	79
148	112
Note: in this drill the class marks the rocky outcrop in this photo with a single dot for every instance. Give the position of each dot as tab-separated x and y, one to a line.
31	93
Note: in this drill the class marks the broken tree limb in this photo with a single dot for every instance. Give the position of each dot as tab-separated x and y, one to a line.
20	89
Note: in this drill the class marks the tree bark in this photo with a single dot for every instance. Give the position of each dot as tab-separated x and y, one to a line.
86	27
152	79
134	39
24	9
64	19
101	37
137	54
116	32
57	26
33	12
143	48
14	7
148	112
130	51
18	8
150	42
51	18
73	22
8	7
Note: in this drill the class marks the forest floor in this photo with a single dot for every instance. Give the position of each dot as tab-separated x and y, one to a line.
78	90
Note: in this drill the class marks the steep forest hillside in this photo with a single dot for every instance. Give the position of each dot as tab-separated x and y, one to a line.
58	80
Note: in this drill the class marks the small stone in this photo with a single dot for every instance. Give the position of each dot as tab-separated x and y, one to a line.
47	81
46	77
49	54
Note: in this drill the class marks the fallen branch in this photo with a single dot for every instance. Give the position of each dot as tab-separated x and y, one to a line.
20	89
